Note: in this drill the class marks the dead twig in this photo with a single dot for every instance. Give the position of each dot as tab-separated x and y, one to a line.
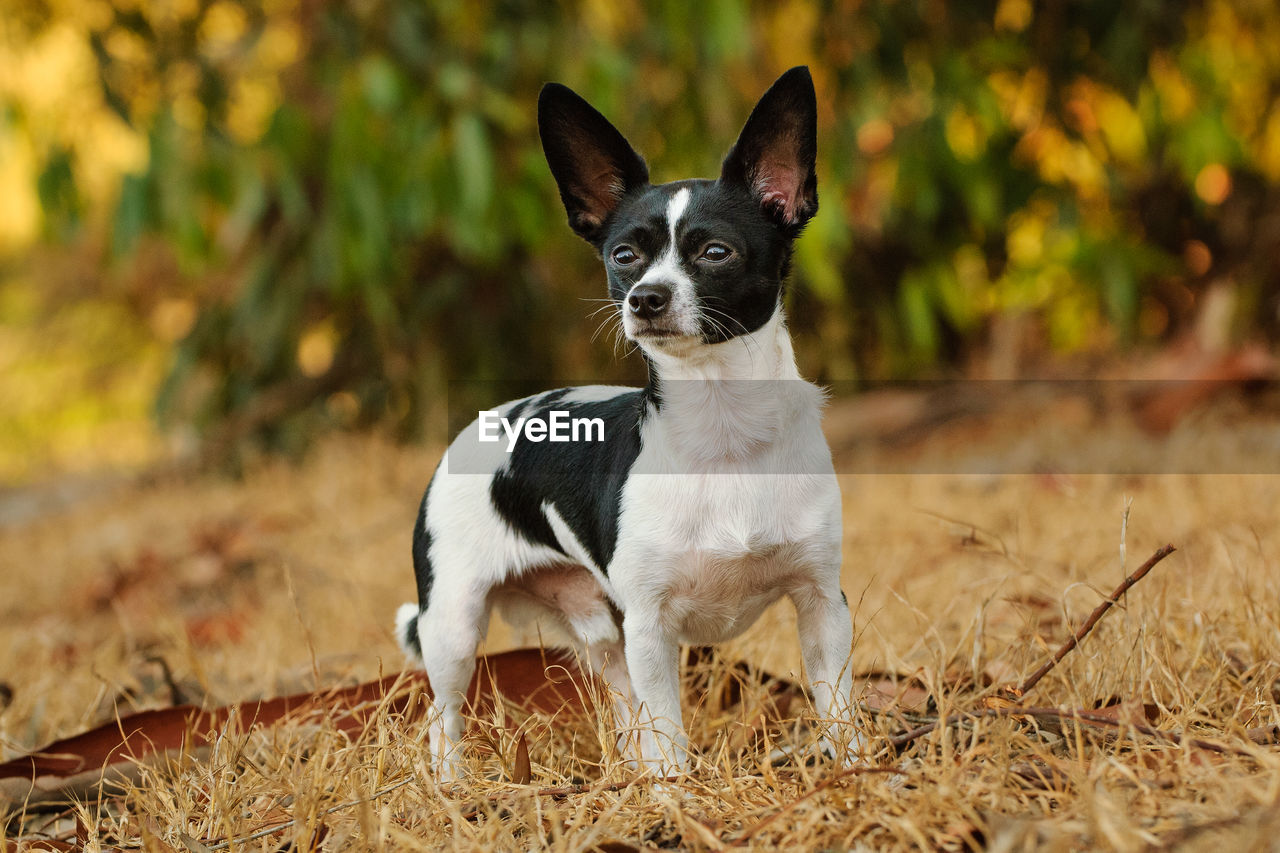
901	740
1138	574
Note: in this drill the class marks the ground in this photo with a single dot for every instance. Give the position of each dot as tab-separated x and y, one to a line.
125	593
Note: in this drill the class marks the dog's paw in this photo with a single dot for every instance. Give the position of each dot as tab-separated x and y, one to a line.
447	774
852	750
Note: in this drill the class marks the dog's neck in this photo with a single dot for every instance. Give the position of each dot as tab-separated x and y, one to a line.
730	402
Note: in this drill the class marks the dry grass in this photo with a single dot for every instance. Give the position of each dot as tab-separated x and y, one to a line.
961	583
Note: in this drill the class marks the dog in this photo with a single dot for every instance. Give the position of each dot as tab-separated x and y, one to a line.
711	492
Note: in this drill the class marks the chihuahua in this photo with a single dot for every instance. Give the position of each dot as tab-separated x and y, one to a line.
686	507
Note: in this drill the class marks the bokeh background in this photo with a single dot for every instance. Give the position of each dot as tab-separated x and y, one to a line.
229	227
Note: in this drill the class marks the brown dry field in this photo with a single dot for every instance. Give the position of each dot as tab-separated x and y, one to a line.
287	579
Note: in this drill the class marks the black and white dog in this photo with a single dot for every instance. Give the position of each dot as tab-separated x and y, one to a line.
711	492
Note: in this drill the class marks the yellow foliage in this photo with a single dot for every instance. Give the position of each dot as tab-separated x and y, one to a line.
1121	127
791	35
223	25
126	46
188	112
1074	320
316	349
1013	15
52	80
1025	242
604	18
1061	160
966	137
253	100
1021	98
1269	145
278	46
19	204
1176	97
77	389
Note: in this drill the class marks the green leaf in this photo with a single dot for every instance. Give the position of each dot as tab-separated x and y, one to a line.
131	215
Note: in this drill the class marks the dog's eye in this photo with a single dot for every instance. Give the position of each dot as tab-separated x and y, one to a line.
716	253
625	256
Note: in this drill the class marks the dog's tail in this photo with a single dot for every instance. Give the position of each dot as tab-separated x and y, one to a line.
407	632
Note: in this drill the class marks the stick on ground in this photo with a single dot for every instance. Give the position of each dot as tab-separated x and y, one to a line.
901	740
1085	717
1138	574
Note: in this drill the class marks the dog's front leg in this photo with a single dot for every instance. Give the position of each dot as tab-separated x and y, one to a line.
653	660
826	640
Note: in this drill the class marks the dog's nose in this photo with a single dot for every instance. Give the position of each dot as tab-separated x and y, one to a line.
647	301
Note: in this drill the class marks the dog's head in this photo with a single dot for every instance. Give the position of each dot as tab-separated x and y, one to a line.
690	262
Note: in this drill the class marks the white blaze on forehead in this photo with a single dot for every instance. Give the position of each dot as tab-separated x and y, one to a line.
683	312
675	210
667	265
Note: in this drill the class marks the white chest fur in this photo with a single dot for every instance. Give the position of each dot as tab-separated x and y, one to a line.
733	501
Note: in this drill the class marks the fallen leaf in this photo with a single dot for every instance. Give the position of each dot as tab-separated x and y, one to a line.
521	769
1129	711
535	680
1200	376
548	682
997	701
884	694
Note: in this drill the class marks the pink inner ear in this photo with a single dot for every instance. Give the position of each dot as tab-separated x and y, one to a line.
778	185
599	191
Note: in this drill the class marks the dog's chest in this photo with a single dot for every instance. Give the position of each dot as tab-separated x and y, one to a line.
711	552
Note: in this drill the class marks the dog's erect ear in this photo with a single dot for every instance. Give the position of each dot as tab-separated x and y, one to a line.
775	153
593	165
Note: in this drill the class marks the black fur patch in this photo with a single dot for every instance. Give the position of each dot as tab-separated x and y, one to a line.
422	557
583	480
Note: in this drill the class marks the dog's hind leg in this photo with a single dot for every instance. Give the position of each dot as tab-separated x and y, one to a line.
449	631
608	661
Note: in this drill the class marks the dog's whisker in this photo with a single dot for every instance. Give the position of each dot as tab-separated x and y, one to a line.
603	323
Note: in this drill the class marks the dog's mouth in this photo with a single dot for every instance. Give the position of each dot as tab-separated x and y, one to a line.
658	332
664	331
663	338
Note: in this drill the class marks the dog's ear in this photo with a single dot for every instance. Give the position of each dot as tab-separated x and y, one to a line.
775	153
593	164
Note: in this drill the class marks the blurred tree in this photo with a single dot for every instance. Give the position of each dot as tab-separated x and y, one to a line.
356	206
